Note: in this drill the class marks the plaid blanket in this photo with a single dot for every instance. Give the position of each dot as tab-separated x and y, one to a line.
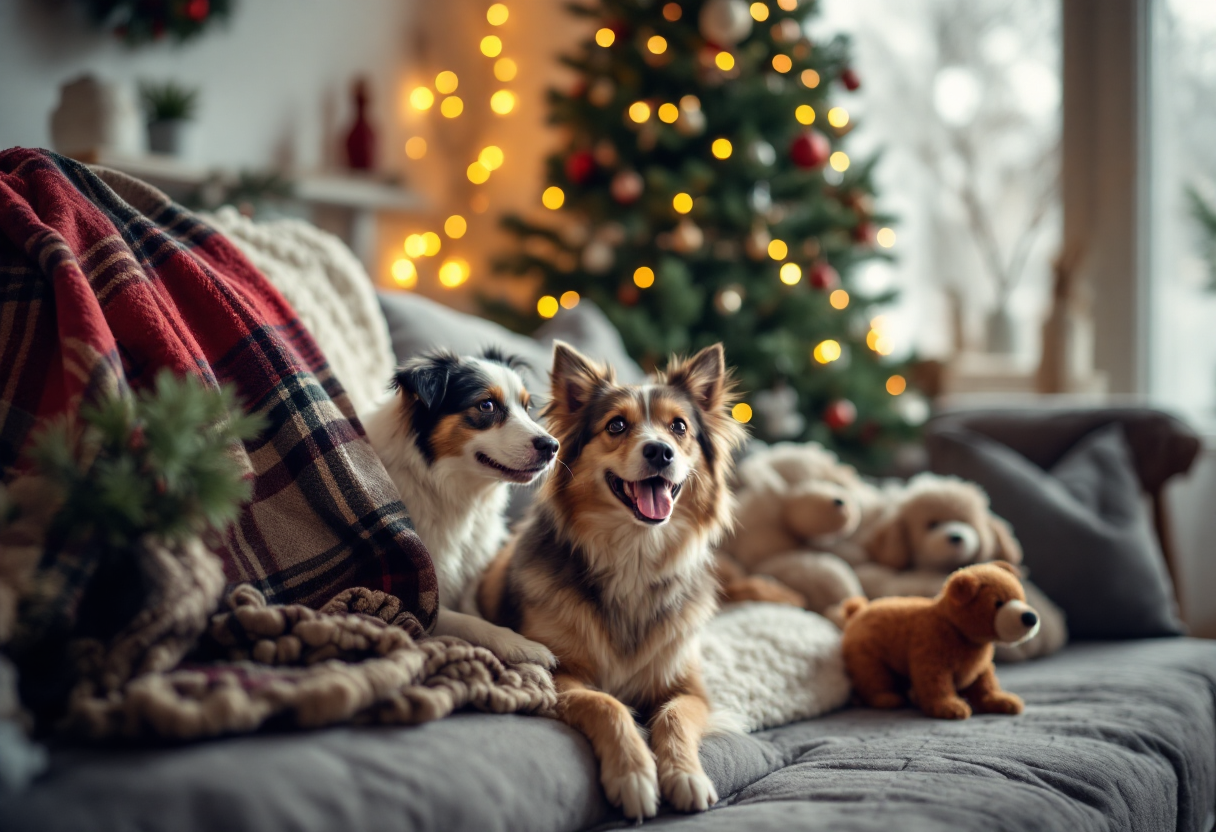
96	296
330	592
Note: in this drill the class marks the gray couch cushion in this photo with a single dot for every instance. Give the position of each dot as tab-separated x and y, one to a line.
1116	736
1087	535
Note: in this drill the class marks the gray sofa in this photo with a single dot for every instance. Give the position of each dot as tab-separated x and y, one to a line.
1117	735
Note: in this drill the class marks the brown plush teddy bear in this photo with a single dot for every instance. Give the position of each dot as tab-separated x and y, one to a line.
796	502
939	649
936	524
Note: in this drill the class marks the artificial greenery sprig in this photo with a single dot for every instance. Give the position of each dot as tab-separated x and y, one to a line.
158	463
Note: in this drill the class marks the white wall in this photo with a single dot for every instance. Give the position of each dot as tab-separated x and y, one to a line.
274	82
1193	522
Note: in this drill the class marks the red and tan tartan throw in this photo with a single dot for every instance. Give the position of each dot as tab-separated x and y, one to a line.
96	296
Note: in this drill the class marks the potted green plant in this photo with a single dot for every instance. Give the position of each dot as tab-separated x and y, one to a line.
169	107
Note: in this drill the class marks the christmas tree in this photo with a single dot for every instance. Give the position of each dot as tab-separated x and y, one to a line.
704	194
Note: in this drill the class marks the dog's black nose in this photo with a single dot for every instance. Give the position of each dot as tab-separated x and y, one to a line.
1029	619
546	446
838	502
955	539
658	454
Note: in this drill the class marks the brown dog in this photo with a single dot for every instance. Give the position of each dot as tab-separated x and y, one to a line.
612	569
941	647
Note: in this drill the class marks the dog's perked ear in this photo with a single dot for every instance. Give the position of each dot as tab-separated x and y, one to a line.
1007	547
574	378
703	377
426	379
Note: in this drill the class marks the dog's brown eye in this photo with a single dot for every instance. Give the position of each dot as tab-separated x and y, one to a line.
933	524
487	406
999	603
616	425
678	427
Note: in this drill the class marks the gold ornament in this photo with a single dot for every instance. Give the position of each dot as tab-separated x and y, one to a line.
687	237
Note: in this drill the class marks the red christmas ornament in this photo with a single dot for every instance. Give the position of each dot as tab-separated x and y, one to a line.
840	414
865	233
361	140
197	9
628	294
823	277
580	166
810	150
850	80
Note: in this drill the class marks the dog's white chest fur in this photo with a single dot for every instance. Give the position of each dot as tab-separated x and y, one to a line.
458	517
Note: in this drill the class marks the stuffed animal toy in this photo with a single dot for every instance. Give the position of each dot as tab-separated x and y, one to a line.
937	524
795	502
939	649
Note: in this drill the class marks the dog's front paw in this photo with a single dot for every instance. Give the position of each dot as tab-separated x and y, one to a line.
1000	703
635	790
689	791
952	708
515	649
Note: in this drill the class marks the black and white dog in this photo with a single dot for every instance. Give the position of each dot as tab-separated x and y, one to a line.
455	435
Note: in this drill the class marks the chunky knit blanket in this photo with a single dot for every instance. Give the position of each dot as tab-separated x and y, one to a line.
100	290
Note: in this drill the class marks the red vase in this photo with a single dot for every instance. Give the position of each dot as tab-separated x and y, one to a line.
361	141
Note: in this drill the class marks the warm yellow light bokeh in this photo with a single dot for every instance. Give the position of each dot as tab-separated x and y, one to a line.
455	226
721	148
502	102
838	116
639	111
827	351
505	69
432	242
742	412
657	44
896	385
672	12
497	14
452	106
839	161
839	299
790	273
405	274
446	82
690	103
491	156
810	78
805	114
480	203
477	173
491	46
604	37
415	246
547	306
777	249
787	5
668	113
759	12
570	299
422	98
782	63
682	202
553	197
886	237
453	272
724	61
415	148
643	277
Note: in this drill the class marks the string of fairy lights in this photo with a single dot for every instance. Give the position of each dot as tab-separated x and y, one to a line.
455	271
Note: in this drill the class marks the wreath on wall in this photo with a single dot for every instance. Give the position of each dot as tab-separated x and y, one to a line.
143	21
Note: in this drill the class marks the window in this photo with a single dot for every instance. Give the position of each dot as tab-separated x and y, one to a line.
1182	285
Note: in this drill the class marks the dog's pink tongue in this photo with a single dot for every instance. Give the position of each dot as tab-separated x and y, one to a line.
654	499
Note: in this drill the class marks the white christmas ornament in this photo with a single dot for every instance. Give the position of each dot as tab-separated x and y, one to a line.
761	152
725	22
690	122
597	257
778	410
626	186
687	236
